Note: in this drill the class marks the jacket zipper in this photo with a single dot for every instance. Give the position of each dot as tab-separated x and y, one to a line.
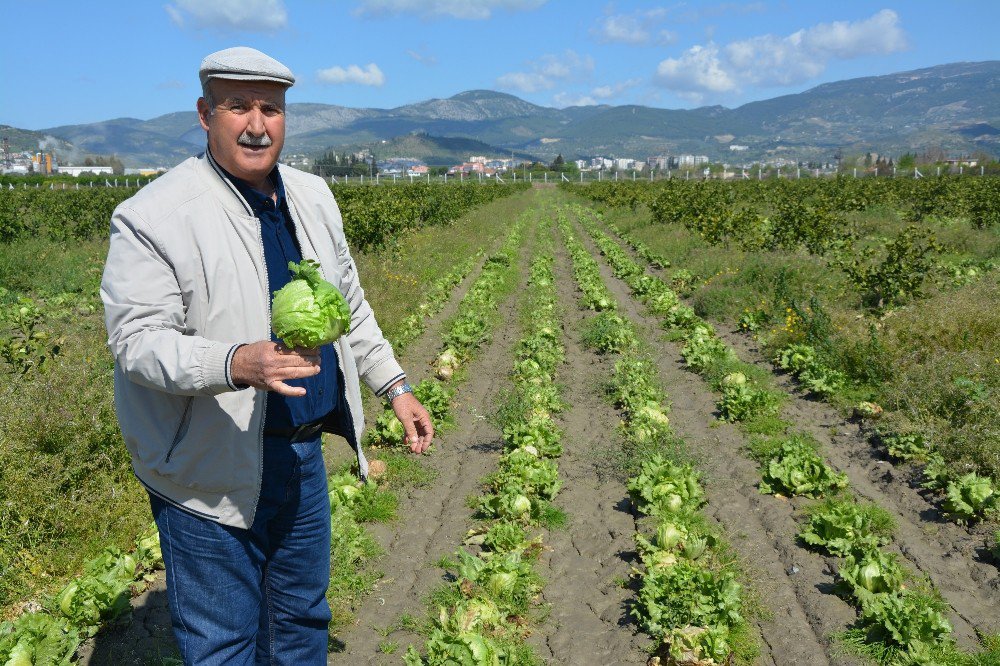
267	336
185	417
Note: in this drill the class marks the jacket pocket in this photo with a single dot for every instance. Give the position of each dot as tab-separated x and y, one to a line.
182	428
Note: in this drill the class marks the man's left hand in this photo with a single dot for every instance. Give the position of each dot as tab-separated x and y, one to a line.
416	422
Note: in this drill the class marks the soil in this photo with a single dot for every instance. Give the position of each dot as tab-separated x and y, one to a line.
589	560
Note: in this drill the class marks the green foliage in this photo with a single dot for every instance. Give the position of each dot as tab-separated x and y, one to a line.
309	311
38	638
686	594
839	527
896	272
377	215
664	488
971	497
743	400
796	469
804	362
912	622
609	332
24	343
868	571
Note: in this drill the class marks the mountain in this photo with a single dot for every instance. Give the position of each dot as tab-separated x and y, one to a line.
953	108
433	150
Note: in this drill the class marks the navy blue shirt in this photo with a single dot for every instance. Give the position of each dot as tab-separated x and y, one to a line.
325	390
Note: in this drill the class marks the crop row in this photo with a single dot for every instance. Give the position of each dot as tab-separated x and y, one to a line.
463	337
689	600
897	623
434	301
483	616
51	634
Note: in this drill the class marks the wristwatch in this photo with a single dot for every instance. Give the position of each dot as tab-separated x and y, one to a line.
392	394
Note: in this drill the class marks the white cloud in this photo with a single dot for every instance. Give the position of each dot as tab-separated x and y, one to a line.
637	28
563	100
423	56
544	73
877	35
686	14
623	29
369	75
609	91
526	82
474	10
706	71
699	70
243	15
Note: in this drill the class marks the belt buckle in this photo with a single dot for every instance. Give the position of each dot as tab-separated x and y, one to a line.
305	431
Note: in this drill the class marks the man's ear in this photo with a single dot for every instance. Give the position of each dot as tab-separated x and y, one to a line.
203	113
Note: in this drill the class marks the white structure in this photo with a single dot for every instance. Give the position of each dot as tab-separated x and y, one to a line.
75	171
738	149
691	160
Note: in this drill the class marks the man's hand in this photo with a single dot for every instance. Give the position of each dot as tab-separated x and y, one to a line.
416	422
265	365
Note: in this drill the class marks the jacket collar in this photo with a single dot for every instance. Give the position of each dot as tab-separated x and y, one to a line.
222	181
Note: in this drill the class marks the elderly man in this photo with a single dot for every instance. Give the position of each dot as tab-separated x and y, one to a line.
222	421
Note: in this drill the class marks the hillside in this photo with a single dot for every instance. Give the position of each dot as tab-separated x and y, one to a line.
434	150
953	107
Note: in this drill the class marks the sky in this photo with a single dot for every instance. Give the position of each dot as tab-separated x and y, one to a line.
69	62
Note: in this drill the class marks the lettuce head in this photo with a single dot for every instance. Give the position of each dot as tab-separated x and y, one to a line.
309	311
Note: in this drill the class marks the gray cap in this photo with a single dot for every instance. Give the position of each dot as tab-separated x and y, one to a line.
244	64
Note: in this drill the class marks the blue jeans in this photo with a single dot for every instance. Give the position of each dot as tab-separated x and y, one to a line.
258	595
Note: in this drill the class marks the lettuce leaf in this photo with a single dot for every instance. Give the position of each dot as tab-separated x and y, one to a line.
309	311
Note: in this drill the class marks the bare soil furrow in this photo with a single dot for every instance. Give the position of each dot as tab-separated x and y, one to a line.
786	578
588	561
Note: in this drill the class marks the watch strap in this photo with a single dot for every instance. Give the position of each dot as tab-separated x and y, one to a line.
394	393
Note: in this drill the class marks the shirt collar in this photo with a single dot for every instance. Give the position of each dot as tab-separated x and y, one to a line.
257	199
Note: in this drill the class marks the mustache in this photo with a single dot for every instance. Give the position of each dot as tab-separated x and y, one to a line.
248	139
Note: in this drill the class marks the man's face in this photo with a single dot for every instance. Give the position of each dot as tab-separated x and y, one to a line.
246	127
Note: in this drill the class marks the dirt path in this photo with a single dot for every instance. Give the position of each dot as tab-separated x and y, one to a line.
591	557
952	556
762	530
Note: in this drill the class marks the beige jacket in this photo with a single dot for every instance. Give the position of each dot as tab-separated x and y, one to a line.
185	283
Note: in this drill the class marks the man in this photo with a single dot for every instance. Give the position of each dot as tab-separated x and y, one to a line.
223	422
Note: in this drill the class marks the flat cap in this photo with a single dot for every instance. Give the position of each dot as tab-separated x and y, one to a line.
244	64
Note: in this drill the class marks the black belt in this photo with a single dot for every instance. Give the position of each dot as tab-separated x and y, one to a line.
304	432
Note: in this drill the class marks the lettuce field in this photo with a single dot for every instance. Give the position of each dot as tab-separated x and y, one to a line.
682	422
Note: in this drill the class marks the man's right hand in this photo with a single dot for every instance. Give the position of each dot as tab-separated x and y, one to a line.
265	365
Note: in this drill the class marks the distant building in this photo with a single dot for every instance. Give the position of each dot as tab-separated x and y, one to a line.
691	160
582	165
738	149
661	162
75	171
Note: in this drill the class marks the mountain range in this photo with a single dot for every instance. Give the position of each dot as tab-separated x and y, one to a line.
953	108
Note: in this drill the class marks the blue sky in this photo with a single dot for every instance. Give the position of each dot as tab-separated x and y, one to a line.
70	62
